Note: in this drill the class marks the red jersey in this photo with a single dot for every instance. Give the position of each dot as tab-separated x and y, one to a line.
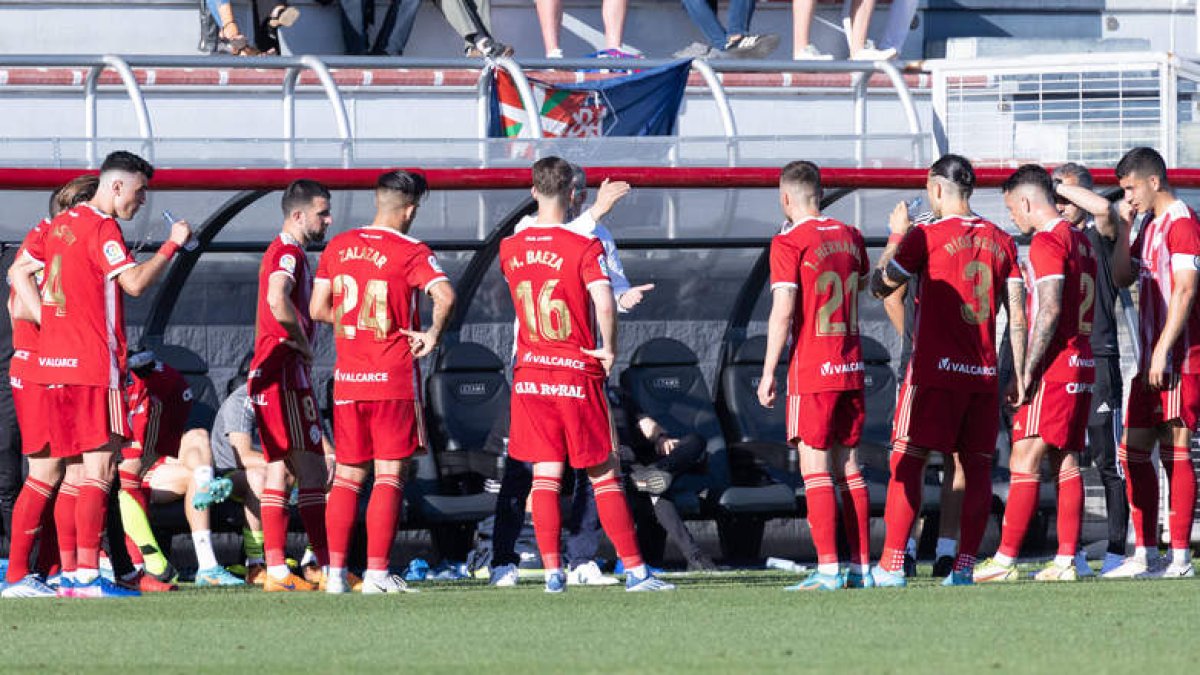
272	358
549	270
1064	252
960	266
25	333
1169	243
377	276
159	406
826	261
82	338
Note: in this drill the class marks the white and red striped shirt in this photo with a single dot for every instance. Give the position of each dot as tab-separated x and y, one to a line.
1170	243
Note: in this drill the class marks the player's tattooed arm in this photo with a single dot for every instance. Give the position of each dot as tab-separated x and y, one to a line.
423	342
1018	332
783	306
1049	293
888	277
27	303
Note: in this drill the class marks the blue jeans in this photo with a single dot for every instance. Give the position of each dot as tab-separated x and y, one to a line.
357	17
705	18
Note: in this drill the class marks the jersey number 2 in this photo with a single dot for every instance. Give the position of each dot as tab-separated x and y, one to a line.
830	282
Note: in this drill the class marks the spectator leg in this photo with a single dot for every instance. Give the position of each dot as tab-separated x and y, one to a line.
613	12
583	527
802	16
860	23
738	18
549	14
356	20
396	27
668	517
900	18
468	18
510	511
706	20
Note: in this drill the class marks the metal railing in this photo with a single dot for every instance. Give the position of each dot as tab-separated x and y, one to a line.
1087	108
322	69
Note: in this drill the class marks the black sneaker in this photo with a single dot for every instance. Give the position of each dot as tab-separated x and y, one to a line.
650	480
910	566
752	46
943	566
486	47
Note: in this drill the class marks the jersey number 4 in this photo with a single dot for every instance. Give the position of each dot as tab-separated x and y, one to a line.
547	318
52	290
373	309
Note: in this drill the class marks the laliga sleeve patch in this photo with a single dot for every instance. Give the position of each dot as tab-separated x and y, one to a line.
603	262
113	252
433	262
287	262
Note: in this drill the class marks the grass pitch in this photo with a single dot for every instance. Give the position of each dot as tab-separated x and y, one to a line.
740	622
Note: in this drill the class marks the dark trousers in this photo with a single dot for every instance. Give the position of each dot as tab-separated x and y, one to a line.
1104	433
687	455
359	15
11	463
582	526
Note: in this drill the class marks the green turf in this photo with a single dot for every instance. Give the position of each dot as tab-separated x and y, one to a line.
721	623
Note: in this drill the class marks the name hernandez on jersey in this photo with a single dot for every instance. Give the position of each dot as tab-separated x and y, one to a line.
1063	252
82	336
1168	243
549	270
960	265
376	278
272	357
826	261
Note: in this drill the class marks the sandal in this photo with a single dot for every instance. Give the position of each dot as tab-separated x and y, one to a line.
233	42
283	15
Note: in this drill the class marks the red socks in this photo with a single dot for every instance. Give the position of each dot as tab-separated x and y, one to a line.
274	514
1177	463
90	510
64	525
617	521
822	516
856	517
547	519
383	512
27	519
132	486
311	505
1141	487
1022	502
977	504
903	500
1070	510
339	518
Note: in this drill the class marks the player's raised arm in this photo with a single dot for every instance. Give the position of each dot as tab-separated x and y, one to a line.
888	275
138	278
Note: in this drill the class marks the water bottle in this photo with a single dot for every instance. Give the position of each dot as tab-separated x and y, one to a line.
785	565
192	243
914	206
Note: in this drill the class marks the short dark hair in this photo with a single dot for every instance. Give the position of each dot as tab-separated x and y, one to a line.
409	185
956	169
802	173
1078	171
301	193
1143	161
127	162
76	191
1031	175
553	177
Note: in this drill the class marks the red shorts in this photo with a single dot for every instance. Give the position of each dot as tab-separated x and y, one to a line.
1148	408
84	418
947	420
369	430
1058	413
821	419
287	419
560	416
33	412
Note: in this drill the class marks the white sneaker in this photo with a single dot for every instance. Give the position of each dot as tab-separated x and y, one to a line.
335	584
391	583
811	53
1174	570
589	574
871	53
504	576
1082	568
1132	567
